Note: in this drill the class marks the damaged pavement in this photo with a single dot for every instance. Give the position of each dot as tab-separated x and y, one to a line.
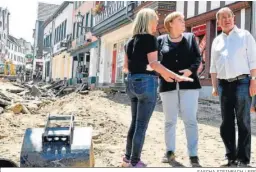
27	97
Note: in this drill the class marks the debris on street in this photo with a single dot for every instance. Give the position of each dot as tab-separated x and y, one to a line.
28	97
109	114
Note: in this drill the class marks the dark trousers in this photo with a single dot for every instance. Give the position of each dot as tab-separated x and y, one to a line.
142	91
235	102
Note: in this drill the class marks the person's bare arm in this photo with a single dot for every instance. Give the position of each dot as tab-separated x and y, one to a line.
125	67
213	71
214	80
251	55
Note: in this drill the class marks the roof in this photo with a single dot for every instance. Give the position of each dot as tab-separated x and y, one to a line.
13	39
45	10
57	12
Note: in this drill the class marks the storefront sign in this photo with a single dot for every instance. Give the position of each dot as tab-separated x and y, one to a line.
199	30
167	5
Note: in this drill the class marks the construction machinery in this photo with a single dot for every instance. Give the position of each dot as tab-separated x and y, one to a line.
9	68
57	146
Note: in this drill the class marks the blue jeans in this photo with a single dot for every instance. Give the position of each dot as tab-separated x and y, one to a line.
235	102
142	91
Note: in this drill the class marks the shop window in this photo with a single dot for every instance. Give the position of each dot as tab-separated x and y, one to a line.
120	62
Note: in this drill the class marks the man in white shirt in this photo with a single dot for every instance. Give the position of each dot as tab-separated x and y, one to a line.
233	74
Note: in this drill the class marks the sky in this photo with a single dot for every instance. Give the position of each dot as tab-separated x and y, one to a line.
23	14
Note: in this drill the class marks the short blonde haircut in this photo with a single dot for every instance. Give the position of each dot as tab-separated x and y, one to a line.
142	22
225	9
170	18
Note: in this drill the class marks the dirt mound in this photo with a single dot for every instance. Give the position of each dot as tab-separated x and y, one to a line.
109	115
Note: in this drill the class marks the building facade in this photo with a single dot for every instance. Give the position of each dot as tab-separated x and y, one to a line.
113	26
16	52
4	32
84	45
57	40
44	11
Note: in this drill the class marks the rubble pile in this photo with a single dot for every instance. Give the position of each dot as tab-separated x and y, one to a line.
28	97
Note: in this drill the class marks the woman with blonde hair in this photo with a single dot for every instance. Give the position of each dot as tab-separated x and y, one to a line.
180	53
141	64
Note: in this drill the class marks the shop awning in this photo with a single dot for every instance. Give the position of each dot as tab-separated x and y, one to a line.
84	49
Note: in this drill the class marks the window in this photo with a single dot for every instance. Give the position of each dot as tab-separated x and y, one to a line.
82	24
77	30
55	36
59	33
62	31
61	28
87	20
74	30
75	5
65	29
91	21
50	42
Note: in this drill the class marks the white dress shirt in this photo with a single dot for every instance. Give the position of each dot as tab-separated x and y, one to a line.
234	54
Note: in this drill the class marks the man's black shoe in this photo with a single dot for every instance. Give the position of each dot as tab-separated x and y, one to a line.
230	163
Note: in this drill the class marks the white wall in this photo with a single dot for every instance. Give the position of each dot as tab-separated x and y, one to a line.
243	19
65	15
202	7
13	53
48	29
107	42
191	9
93	62
180	6
215	4
229	2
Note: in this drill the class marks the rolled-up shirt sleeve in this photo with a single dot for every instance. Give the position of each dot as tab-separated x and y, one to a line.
251	51
213	68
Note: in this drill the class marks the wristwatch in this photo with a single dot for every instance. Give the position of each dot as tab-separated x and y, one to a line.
253	77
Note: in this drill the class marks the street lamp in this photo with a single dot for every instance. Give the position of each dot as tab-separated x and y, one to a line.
79	17
79	20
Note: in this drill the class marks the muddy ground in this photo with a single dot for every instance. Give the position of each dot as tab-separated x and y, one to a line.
109	115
